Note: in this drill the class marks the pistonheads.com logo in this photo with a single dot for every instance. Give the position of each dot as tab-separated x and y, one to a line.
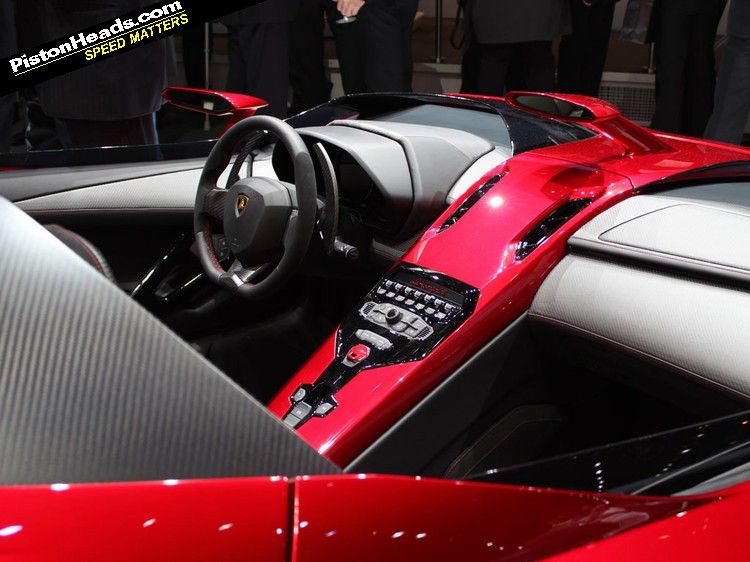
108	40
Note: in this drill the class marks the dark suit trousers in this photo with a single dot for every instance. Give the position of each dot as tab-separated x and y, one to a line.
194	54
469	65
7	108
732	103
259	64
307	72
685	73
584	52
384	32
7	49
534	61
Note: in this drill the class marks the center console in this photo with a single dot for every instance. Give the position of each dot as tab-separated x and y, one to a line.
404	317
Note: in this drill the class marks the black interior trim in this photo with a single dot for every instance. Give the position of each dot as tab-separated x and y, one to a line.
411	444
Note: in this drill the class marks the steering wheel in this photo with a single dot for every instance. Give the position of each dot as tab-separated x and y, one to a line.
267	223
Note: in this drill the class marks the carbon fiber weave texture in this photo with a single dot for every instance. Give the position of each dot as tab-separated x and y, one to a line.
95	389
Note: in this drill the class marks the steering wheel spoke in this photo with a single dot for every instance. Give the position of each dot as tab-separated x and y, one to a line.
238	275
214	203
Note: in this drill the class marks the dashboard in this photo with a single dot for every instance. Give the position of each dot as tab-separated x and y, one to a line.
361	197
394	176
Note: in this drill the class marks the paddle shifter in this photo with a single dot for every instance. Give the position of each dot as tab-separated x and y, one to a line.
404	317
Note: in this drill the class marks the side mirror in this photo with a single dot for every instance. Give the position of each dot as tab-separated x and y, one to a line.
215	103
563	106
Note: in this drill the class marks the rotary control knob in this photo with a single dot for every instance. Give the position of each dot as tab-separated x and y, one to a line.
393	315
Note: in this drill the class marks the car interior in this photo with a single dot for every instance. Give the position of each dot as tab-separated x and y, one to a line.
174	323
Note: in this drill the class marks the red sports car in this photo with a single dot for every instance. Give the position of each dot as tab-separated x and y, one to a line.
398	327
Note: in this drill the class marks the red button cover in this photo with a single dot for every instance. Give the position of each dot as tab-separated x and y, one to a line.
358	353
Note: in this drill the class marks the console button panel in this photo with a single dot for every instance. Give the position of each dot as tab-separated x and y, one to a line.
403	318
397	319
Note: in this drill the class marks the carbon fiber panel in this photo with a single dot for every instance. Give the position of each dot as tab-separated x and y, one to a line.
93	388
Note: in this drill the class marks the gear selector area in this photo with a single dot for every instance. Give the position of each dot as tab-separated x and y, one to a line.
403	318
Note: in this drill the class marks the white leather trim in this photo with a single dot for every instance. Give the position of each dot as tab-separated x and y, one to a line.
699	328
476	171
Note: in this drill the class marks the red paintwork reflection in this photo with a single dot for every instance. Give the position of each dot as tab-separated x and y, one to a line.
479	250
715	531
646	167
242	105
211	521
390	518
362	518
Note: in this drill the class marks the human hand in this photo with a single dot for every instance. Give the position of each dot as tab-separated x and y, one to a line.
349	8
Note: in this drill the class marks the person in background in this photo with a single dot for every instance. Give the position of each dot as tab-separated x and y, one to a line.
583	53
469	65
110	103
259	52
383	29
307	71
684	35
40	132
7	49
194	54
732	103
505	32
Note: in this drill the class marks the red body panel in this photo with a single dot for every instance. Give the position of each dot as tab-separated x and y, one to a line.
358	517
599	108
242	105
715	531
206	520
391	518
532	187
479	250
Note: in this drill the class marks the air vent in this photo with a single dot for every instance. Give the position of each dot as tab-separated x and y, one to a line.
549	225
635	101
469	202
